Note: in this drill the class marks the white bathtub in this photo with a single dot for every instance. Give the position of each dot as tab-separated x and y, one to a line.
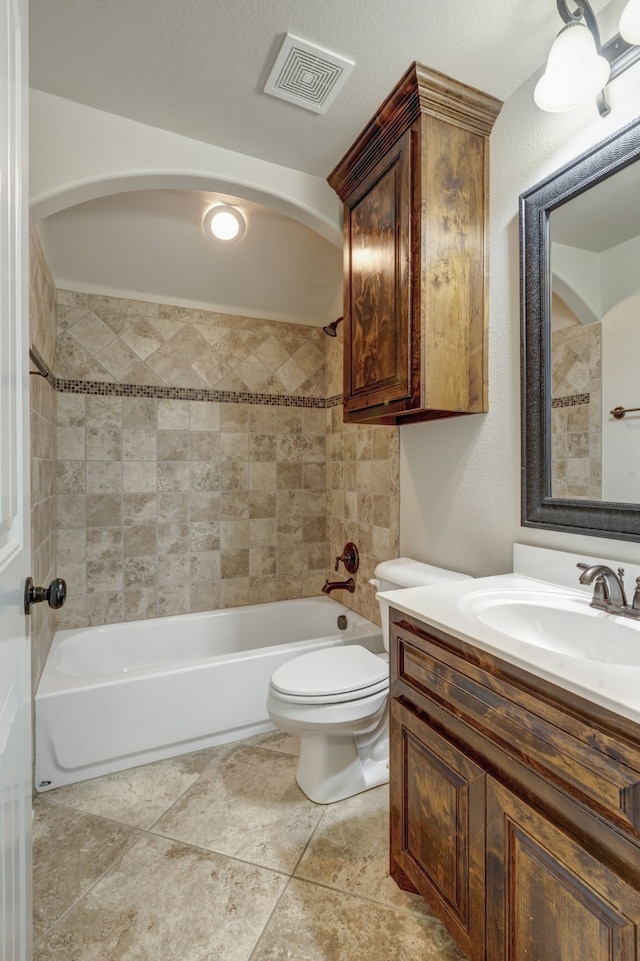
125	694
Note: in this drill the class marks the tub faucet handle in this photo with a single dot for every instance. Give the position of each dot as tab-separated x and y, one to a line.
349	557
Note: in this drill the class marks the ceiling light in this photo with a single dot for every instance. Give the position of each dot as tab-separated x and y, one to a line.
579	67
224	223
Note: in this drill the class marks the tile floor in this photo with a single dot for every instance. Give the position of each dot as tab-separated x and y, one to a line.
218	855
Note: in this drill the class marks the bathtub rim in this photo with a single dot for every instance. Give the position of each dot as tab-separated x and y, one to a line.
52	681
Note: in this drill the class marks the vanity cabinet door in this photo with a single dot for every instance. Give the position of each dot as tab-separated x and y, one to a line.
547	897
377	330
437	826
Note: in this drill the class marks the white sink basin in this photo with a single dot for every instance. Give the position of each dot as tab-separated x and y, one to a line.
542	625
562	623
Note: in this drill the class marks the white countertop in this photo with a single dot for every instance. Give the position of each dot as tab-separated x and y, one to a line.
613	686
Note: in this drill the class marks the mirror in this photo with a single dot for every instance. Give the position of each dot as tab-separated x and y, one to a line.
580	300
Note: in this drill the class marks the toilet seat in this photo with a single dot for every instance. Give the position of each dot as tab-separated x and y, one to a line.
330	676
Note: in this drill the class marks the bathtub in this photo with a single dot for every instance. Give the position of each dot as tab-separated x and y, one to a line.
117	696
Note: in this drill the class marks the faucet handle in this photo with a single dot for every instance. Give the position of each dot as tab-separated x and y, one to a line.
636	597
349	558
601	589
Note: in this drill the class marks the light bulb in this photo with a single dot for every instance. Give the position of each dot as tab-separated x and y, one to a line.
575	71
224	222
630	22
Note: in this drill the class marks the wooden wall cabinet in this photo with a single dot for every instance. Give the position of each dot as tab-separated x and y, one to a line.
415	192
515	805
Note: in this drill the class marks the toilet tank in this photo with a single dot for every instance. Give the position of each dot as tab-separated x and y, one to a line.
405	572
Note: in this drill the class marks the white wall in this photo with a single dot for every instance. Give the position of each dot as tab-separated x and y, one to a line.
460	478
621	388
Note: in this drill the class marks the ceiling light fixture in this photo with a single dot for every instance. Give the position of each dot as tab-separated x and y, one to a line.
224	223
579	66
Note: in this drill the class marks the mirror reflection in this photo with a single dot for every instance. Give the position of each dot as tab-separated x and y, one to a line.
594	242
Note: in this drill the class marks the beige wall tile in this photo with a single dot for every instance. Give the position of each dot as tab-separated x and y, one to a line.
215	504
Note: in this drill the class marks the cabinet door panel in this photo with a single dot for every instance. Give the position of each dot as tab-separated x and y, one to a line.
377	310
546	896
437	826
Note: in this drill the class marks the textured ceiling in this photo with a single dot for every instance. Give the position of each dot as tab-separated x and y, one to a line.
197	68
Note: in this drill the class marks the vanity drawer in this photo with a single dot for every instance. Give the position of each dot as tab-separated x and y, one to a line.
588	762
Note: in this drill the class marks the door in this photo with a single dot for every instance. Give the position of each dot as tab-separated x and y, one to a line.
547	897
15	737
377	373
437	825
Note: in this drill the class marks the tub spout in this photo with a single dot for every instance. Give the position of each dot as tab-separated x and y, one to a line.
349	585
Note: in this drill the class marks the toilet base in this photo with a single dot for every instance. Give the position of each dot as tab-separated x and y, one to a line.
334	767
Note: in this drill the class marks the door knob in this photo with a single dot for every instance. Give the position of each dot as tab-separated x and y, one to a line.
55	594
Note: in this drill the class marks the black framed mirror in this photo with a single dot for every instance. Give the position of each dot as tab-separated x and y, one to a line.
602	182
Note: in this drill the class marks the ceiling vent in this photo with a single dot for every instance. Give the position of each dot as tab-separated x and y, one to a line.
307	75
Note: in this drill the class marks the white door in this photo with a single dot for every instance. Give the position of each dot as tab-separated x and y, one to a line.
15	710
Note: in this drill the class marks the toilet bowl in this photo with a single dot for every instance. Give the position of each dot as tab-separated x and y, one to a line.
336	699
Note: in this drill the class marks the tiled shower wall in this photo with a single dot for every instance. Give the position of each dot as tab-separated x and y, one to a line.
363	491
197	498
576	415
42	335
169	505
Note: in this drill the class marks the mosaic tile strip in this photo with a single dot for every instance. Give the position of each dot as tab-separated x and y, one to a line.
106	389
573	400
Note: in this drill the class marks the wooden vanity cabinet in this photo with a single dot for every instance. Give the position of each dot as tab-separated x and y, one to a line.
415	192
514	805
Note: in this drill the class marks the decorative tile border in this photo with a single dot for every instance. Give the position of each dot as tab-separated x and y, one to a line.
107	389
573	400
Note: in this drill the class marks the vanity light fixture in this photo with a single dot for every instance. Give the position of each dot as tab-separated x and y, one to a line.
579	66
224	223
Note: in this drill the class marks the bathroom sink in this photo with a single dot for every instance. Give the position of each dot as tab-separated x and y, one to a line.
563	623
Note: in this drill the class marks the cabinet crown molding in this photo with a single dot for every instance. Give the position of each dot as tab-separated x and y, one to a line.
420	92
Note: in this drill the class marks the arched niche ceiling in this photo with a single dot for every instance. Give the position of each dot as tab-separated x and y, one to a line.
150	245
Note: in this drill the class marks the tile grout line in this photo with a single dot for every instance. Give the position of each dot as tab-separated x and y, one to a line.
151	833
250	956
118	861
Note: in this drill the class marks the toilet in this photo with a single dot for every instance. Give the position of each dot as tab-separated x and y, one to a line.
336	699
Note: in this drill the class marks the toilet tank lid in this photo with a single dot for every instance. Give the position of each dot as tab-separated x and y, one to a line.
405	572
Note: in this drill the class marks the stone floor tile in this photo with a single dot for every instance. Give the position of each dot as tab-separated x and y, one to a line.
140	795
276	741
247	805
71	851
350	851
168	902
312	923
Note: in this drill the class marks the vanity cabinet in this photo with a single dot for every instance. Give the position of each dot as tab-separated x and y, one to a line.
441	843
415	192
515	805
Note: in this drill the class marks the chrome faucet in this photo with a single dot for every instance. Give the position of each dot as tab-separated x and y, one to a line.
608	590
